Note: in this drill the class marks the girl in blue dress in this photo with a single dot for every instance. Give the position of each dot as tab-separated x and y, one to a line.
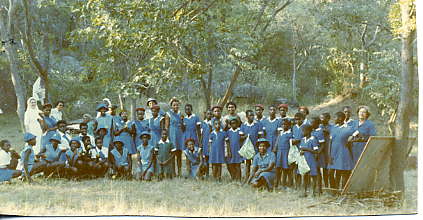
270	127
8	162
146	160
340	151
259	108
304	110
309	147
217	149
348	113
156	124
122	129
251	129
191	125
217	115
173	121
193	159
234	160
29	166
74	165
51	155
138	126
297	135
363	129
281	149
206	129
317	133
120	160
324	155
263	174
104	121
48	124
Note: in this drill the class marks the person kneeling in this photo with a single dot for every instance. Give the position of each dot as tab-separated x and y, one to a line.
120	160
263	174
51	157
74	165
193	159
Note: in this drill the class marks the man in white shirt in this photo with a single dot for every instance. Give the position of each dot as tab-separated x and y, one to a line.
65	138
57	113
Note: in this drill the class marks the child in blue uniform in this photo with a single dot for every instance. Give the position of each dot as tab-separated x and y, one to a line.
340	151
174	125
348	113
51	154
102	164
217	115
8	162
145	156
234	160
304	110
259	108
317	133
281	149
156	124
138	126
309	147
206	129
30	166
193	159
297	135
231	107
251	129
270	127
217	149
120	160
263	167
48	124
104	121
122	129
191	125
165	157
363	129
324	156
74	165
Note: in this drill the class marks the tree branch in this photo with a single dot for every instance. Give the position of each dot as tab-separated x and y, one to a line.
363	36
288	2
377	30
263	7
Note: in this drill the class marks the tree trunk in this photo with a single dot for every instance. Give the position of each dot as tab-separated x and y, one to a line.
133	107
402	128
230	88
209	88
7	31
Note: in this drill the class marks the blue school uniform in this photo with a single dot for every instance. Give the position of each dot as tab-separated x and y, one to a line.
253	131
120	159
365	130
340	154
350	122
125	136
235	144
6	174
31	158
263	162
284	143
72	157
206	128
271	128
313	144
140	126
191	123
107	123
146	153
194	158
175	130
297	132
217	147
260	120
51	122
52	155
320	137
155	129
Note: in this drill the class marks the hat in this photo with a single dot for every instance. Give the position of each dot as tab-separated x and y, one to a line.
100	106
151	100
263	140
118	139
77	139
28	136
56	137
283	106
260	106
145	133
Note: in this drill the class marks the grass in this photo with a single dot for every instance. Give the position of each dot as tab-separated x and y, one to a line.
178	197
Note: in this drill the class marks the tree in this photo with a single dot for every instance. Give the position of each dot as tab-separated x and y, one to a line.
402	128
9	42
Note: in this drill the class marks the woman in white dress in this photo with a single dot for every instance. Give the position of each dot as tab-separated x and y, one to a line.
32	114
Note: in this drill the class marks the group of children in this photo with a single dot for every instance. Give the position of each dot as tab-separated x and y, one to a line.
328	151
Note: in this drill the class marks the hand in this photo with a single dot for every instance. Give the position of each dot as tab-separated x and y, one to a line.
257	173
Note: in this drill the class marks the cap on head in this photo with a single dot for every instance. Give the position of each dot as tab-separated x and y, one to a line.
28	136
145	133
56	137
100	106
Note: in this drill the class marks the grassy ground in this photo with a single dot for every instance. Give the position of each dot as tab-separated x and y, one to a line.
178	197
